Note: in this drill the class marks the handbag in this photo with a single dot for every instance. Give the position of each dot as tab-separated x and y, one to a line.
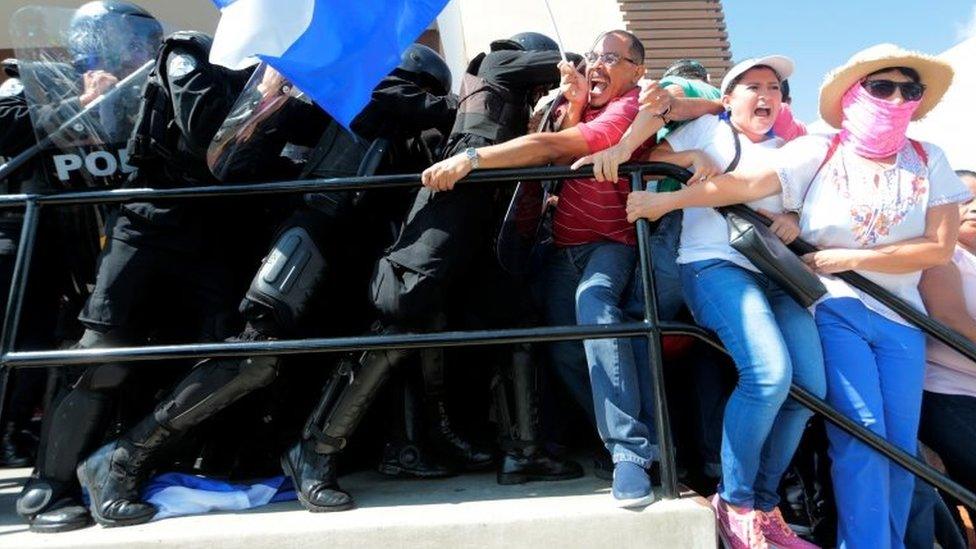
774	259
767	252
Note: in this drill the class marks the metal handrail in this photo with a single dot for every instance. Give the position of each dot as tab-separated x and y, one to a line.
651	326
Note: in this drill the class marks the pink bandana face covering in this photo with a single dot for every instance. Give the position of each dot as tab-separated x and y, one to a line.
875	128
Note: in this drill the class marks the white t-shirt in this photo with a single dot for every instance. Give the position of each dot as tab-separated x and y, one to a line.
849	205
704	232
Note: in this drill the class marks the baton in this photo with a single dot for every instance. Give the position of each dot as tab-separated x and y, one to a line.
16	162
559	39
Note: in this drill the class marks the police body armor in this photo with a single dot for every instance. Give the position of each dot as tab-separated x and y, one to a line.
487	109
156	139
338	153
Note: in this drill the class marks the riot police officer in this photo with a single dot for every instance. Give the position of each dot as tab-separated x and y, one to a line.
165	271
409	286
311	245
25	386
49	93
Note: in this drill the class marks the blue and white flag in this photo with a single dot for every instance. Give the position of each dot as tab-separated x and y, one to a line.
179	494
336	51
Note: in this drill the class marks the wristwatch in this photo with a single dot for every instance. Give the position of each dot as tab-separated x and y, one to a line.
472	154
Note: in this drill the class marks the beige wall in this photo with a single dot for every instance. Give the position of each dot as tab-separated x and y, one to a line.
180	14
467	27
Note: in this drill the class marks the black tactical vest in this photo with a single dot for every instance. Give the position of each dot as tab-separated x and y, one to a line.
487	109
157	139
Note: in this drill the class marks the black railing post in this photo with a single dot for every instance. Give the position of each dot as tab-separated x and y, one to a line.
15	299
662	420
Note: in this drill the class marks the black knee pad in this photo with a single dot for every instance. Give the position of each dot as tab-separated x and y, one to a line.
102	377
282	288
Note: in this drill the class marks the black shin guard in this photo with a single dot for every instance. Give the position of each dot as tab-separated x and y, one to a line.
525	458
213	385
345	399
515	391
347	396
77	426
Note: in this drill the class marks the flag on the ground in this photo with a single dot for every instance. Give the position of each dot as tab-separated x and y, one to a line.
180	494
336	51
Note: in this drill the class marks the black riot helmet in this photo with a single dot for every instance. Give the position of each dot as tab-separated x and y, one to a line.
526	41
112	35
419	59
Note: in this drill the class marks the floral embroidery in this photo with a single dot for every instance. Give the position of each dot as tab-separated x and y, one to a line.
879	205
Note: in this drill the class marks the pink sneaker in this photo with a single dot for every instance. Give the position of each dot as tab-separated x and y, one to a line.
779	534
738	530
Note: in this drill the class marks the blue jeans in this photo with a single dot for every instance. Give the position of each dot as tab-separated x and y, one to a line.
875	369
710	381
585	285
773	342
663	245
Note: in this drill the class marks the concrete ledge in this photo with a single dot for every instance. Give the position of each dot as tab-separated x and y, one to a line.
467	511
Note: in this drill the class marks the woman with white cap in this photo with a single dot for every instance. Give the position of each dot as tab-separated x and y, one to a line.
772	339
884	206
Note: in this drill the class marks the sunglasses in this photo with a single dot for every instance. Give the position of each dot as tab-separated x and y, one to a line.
609	59
883	89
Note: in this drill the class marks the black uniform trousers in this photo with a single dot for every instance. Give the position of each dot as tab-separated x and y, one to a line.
443	234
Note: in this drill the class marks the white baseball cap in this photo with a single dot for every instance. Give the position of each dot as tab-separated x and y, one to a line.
781	64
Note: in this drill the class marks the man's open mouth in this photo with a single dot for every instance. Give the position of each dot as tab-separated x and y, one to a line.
598	84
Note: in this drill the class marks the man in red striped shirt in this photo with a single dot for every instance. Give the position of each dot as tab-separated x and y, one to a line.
595	254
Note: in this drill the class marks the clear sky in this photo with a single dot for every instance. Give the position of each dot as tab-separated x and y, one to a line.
821	34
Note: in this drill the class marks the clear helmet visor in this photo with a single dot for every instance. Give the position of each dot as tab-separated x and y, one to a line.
83	79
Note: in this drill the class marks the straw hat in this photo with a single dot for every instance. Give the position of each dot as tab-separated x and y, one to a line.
935	74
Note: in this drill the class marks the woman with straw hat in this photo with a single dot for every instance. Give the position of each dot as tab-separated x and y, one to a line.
884	206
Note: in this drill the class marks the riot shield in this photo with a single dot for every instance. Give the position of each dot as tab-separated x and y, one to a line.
527	226
269	132
83	72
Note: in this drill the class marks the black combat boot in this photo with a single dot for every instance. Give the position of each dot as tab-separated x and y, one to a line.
441	434
13	447
533	463
525	459
314	477
50	506
114	474
468	455
406	453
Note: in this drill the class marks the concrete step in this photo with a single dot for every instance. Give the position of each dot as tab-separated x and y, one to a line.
465	511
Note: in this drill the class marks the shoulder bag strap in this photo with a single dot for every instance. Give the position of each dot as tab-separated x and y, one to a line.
738	145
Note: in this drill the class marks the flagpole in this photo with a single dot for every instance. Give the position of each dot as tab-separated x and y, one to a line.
559	39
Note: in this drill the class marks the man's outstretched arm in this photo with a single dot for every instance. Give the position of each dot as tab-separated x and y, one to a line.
537	149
